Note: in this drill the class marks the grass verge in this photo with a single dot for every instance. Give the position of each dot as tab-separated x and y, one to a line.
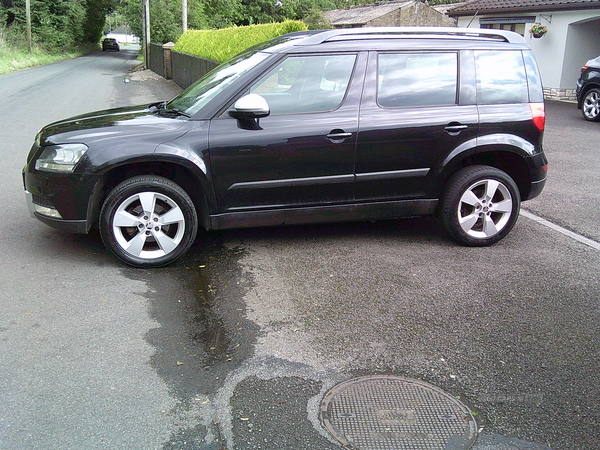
13	60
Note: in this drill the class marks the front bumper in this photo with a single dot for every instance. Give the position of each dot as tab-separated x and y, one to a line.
50	216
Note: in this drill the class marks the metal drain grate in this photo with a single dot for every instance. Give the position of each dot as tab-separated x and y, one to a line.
391	413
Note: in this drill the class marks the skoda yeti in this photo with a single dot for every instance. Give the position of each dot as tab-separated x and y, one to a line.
316	126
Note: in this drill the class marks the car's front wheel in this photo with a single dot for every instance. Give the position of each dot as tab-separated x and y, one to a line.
590	107
148	221
480	205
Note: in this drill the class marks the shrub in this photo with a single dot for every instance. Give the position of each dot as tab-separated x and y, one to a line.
220	45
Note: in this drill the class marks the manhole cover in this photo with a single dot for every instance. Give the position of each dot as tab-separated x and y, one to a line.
385	412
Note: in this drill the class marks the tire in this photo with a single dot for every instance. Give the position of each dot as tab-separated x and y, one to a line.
480	205
148	221
590	106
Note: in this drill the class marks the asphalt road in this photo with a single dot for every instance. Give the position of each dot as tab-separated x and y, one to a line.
235	345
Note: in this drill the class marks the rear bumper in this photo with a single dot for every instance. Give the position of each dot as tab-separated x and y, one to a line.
536	188
538	167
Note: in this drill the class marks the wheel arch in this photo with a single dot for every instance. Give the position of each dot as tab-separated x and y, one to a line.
509	158
584	90
195	185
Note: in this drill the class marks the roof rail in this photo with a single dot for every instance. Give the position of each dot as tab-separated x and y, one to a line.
340	33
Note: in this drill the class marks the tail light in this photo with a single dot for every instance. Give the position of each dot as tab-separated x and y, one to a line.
539	115
584	68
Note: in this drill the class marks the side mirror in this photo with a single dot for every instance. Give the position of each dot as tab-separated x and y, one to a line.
251	106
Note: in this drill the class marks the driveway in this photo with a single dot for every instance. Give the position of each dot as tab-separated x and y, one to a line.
278	316
236	345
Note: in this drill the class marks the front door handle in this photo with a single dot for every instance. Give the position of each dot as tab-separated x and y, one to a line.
337	136
455	128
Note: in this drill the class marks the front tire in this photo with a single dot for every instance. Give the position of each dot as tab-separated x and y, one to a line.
480	205
148	221
590	107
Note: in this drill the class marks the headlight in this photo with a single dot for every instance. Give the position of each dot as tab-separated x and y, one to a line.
60	158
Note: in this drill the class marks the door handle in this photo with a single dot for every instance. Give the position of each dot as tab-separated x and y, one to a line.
337	136
455	128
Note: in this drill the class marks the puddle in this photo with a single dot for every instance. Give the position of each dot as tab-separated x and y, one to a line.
203	334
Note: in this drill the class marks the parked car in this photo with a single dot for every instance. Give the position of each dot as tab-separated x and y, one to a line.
588	90
317	126
110	44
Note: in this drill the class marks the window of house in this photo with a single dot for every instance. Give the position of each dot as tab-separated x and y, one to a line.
517	24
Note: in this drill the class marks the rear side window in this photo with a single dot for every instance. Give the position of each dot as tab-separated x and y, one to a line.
417	79
501	77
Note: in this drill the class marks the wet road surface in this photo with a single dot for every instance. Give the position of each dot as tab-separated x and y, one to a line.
235	345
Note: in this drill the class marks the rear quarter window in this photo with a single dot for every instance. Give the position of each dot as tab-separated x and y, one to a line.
534	81
501	77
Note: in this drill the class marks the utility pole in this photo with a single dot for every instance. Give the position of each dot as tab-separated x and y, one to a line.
184	11
28	20
146	33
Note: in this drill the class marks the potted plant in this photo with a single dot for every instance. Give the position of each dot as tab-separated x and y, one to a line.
537	30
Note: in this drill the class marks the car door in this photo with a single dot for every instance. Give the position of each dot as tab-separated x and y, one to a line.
302	154
412	117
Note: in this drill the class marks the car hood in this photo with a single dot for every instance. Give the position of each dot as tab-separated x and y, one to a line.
110	124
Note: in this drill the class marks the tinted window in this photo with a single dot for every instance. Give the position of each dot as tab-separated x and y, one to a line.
536	93
500	77
306	83
416	79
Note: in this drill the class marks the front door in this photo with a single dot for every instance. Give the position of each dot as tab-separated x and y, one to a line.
302	154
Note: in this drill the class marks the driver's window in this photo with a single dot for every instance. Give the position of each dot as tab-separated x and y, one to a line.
302	84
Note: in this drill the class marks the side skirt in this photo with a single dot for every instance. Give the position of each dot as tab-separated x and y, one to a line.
324	214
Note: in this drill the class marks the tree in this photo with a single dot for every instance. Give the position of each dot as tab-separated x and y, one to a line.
59	24
165	18
96	12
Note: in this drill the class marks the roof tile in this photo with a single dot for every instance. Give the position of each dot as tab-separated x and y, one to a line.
485	6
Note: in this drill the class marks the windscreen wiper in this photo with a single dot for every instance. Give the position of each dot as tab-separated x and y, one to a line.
177	111
162	106
154	107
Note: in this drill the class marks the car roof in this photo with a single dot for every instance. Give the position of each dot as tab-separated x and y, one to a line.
392	38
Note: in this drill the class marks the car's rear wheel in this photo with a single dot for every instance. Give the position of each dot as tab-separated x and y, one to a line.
590	107
148	221
480	205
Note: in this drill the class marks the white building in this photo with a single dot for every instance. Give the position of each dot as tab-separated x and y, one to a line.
573	35
122	35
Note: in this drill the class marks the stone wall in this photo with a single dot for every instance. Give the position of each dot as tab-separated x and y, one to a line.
415	15
560	94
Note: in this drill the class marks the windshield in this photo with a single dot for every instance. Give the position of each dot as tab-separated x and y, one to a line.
206	88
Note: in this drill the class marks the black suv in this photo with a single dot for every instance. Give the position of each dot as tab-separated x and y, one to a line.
588	90
316	126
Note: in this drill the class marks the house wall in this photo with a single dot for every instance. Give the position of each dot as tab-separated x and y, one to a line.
416	15
124	38
573	38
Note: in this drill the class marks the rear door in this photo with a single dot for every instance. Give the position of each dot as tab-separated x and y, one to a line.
413	115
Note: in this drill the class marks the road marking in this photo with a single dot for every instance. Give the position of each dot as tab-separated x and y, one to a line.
577	237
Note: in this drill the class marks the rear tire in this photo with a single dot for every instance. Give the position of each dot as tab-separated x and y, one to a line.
480	205
148	221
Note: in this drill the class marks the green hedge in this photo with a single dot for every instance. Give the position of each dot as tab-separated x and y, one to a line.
220	45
